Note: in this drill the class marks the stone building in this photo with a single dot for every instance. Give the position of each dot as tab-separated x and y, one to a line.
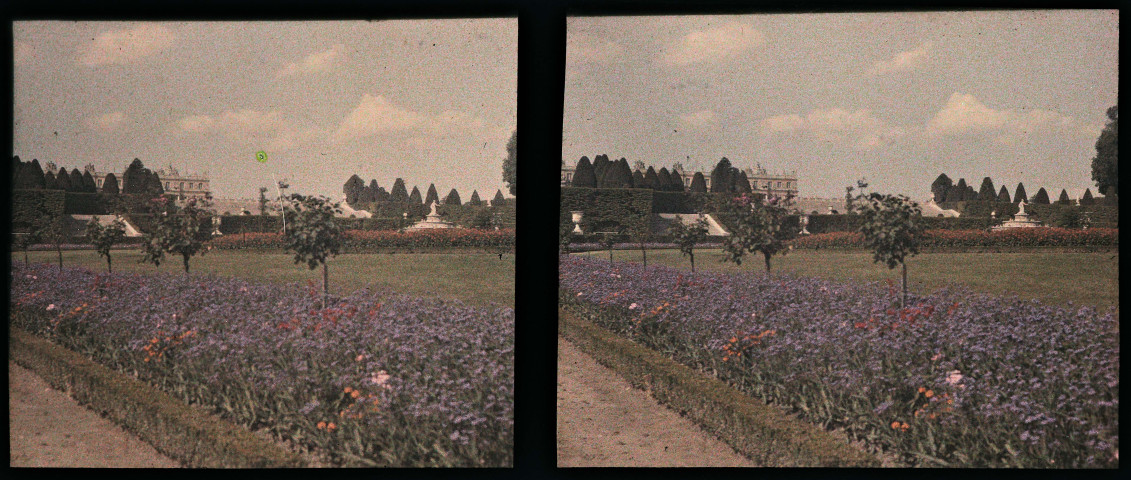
187	185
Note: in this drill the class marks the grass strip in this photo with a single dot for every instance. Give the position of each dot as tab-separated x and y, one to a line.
759	431
195	438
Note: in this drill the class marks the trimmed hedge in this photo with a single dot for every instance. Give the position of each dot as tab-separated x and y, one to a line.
189	435
1014	237
757	430
683	202
607	209
367	241
31	206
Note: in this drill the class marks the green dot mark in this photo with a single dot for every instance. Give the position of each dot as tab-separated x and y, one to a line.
261	156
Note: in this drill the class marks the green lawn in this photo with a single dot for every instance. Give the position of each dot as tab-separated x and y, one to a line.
475	278
1056	278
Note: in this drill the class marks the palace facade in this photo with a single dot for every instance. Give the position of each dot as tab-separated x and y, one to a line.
187	185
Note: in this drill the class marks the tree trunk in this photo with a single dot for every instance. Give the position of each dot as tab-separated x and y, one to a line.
59	248
610	254
767	257
644	252
25	258
692	255
903	301
325	283
109	267
185	257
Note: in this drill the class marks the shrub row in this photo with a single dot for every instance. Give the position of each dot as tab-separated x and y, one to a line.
607	209
189	435
753	428
1014	237
383	240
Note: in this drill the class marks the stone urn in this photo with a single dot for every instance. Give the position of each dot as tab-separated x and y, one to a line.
576	218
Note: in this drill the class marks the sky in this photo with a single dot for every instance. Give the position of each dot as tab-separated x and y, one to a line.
430	101
893	98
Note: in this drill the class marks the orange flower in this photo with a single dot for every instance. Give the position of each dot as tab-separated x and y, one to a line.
330	426
355	394
321	425
904	427
929	394
922	389
348	389
894	425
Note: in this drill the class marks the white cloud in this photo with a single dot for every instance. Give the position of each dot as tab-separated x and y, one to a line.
712	44
698	119
376	115
858	127
106	123
318	62
268	130
584	49
902	62
127	45
963	114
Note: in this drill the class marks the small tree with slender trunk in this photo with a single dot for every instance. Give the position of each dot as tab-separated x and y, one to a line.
314	235
891	225
608	240
687	236
26	240
759	227
57	230
177	231
104	238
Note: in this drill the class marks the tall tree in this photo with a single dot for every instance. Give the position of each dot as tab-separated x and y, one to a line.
583	175
31	176
618	175
721	180
651	180
263	201
155	186
452	198
1087	199
399	193
698	183
986	192
1064	200
499	199
742	182
474	200
414	197
663	180
433	197
1019	193
76	181
955	194
965	191
637	179
510	164
940	187
110	184
601	165
49	182
63	180
677	181
353	189
136	178
1042	197
1003	195
88	183
1105	165
371	193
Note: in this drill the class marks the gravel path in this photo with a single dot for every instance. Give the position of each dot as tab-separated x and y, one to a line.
47	428
604	422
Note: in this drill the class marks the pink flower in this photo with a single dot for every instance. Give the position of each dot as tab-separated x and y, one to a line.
634	306
51	307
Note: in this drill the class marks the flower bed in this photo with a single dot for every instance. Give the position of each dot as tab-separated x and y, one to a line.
957	379
372	380
584	247
364	240
1014	237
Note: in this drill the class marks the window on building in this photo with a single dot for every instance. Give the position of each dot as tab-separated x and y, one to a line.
181	185
166	185
779	184
200	186
99	183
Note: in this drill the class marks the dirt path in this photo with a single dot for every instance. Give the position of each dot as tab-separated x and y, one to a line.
604	422
47	428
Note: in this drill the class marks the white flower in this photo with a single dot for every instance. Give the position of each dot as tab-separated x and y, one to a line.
580	293
953	377
380	378
51	307
634	306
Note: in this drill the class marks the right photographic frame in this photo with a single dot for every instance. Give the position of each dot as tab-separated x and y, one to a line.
882	239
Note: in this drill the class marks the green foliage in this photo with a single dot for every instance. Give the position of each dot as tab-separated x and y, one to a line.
313	235
759	225
891	226
30	176
940	187
31	207
110	184
415	198
687	236
63	180
433	197
607	209
1105	165
399	193
986	192
1087	199
1063	199
499	200
81	203
510	164
1003	195
176	231
722	177
475	201
698	183
104	238
263	200
452	198
88	183
1019	193
583	175
353	189
677	182
651	180
1041	198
